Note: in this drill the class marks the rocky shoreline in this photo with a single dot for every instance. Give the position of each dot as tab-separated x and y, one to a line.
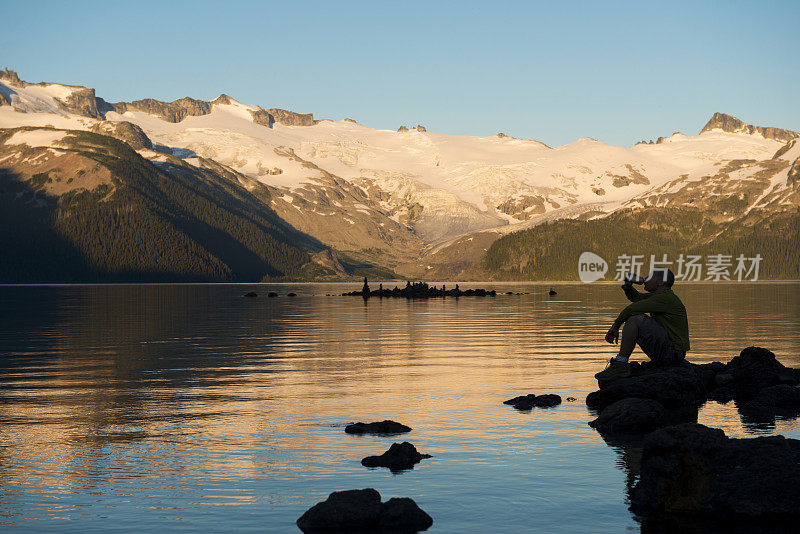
418	290
689	474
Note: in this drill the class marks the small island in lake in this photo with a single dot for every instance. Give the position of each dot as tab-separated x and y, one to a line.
418	290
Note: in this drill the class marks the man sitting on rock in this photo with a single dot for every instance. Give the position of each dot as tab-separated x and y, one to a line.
663	335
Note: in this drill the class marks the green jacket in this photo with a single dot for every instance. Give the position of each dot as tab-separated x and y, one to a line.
666	308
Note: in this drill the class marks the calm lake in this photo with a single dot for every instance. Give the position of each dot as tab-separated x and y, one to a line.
189	407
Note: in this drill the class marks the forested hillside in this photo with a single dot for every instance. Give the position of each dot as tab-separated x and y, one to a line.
551	251
136	220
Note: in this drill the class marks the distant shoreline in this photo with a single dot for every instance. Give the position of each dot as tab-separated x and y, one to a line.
503	282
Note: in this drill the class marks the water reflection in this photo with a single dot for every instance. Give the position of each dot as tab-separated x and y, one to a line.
154	403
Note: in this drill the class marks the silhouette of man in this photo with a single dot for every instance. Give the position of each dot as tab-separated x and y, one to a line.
663	335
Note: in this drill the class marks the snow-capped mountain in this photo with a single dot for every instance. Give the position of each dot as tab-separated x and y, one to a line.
385	196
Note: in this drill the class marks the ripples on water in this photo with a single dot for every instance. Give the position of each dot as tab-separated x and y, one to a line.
189	407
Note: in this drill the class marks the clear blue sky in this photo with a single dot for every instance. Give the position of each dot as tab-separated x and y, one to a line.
552	71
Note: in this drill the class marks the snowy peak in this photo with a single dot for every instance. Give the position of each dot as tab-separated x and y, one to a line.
728	123
46	97
57	98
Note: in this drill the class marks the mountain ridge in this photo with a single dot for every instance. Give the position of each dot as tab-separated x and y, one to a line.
729	123
414	200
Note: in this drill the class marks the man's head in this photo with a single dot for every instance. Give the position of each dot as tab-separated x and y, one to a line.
660	278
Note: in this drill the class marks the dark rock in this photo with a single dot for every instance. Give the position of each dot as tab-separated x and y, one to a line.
522	399
679	387
402	129
418	290
761	411
343	511
754	369
722	395
420	128
403	515
571	399
782	396
530	401
251	294
379	427
547	401
723	380
272	294
634	416
693	469
291	295
399	456
362	511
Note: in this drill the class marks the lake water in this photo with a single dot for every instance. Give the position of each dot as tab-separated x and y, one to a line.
189	407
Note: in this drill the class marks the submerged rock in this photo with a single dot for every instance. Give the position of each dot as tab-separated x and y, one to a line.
251	294
378	427
272	294
291	295
693	469
530	401
399	456
634	416
363	511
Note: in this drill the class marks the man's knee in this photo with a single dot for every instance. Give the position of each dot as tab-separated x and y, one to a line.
635	320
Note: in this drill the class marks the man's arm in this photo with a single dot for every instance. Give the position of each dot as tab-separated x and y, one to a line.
632	294
658	303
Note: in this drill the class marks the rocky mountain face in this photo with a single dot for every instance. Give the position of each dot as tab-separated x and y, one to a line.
726	123
80	206
179	109
420	203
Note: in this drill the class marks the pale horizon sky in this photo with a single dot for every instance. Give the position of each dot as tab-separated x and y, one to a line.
618	72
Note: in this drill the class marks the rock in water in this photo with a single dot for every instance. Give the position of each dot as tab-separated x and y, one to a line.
362	511
272	294
379	427
530	401
756	368
690	468
547	400
251	294
782	400
291	295
399	456
403	515
343	511
673	387
633	416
